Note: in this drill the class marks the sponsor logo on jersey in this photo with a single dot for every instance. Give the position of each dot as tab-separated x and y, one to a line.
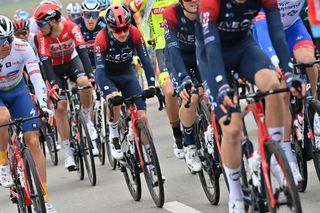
157	11
21	45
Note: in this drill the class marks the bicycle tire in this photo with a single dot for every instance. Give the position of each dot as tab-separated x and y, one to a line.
302	164
293	202
131	168
112	161
157	196
34	183
98	123
42	142
315	151
50	138
208	165
86	148
75	143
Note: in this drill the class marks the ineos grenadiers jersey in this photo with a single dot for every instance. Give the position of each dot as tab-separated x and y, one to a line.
290	11
180	41
115	57
155	17
228	23
90	36
61	49
12	66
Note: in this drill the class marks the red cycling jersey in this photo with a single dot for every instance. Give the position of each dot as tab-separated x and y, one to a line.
314	12
61	49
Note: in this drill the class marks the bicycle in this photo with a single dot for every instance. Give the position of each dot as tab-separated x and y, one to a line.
259	187
27	191
80	137
304	134
137	158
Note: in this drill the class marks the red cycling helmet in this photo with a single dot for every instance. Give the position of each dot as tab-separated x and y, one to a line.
118	16
21	25
47	12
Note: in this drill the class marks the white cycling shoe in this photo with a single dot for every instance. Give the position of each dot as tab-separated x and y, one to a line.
178	151
116	151
69	162
5	176
50	208
236	206
192	158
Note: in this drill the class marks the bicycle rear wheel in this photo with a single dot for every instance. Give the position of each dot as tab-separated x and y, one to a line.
151	169
34	183
302	164
50	138
209	175
86	149
286	196
98	123
112	161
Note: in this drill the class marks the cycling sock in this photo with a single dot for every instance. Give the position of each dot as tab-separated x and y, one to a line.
177	133
3	157
286	147
67	148
233	176
45	189
86	114
113	128
188	134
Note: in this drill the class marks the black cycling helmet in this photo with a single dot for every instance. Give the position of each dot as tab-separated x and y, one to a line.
118	16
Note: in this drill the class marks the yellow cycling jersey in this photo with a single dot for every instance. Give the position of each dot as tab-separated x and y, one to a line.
154	10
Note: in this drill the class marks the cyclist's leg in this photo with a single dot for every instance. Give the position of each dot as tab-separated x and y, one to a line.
172	106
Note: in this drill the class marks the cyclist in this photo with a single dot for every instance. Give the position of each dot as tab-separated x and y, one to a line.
179	20
301	49
224	35
16	102
314	19
73	11
90	24
21	30
62	52
153	14
114	49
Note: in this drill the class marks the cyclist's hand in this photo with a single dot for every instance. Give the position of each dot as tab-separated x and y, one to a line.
48	115
296	84
55	92
226	98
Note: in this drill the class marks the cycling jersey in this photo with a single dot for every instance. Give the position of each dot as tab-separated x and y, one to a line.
227	43
61	49
314	17
290	11
153	12
180	39
90	35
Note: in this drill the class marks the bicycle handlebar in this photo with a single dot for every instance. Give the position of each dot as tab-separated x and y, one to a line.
306	65
19	121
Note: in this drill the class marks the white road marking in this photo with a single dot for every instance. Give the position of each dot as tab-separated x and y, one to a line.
177	207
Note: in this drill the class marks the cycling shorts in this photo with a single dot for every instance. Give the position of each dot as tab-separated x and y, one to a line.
20	105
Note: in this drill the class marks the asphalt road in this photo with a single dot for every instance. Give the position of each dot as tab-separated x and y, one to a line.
183	191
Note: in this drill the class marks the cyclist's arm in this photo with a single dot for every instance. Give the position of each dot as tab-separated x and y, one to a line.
277	34
34	73
209	16
81	49
100	47
141	49
137	5
177	69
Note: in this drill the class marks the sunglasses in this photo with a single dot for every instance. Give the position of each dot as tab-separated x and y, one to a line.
42	24
119	30
6	40
21	33
91	15
75	16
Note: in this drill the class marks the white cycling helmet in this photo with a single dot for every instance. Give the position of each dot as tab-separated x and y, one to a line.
90	6
6	27
56	2
73	8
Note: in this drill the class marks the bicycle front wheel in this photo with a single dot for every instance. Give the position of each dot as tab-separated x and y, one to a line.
86	149
112	161
151	169
286	195
33	182
50	137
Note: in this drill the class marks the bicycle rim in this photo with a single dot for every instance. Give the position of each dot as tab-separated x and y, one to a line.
18	188
33	181
151	170
86	147
287	198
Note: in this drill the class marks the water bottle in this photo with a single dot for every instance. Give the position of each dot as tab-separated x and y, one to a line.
208	137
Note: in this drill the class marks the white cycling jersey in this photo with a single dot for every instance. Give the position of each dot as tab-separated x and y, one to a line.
290	11
12	66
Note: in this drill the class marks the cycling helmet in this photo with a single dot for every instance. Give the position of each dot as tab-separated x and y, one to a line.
104	4
73	8
56	2
21	14
47	12
90	6
118	16
21	25
6	27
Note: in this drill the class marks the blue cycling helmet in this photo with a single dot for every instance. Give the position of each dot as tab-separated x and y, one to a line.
21	14
104	4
